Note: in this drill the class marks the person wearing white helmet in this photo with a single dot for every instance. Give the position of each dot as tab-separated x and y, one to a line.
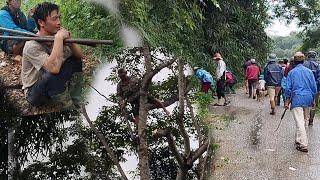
300	92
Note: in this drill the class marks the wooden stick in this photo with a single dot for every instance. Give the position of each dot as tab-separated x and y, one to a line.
11	31
87	42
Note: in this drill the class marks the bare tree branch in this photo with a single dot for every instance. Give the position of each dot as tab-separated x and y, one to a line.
104	142
198	152
195	122
148	76
165	133
174	98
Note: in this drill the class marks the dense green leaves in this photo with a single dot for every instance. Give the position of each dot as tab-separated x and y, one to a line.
285	47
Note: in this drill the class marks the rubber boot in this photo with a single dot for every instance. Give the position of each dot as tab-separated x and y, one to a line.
312	114
76	85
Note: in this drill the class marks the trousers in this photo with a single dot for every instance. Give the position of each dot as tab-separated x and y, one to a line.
300	115
50	85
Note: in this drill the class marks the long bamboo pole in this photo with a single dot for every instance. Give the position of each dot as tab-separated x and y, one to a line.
16	32
88	42
26	36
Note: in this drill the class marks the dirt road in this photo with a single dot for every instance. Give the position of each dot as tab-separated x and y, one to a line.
251	150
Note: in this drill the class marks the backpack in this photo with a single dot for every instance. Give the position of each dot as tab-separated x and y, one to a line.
230	77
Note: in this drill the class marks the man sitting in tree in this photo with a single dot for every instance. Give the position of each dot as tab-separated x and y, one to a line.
128	90
51	71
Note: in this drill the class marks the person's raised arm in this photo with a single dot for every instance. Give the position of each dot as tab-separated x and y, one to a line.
76	50
55	59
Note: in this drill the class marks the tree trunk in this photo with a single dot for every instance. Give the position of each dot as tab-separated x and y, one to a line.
199	134
143	151
182	172
180	121
13	165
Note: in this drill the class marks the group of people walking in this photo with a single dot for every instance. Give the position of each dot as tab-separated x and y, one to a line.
297	83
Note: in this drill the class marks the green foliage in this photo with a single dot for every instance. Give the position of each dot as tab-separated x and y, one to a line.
308	14
311	40
203	100
285	47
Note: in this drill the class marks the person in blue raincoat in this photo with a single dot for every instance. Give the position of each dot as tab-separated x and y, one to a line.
11	17
301	90
206	79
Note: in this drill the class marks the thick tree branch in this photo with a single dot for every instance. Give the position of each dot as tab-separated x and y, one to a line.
180	120
195	122
149	75
198	152
165	133
174	98
104	142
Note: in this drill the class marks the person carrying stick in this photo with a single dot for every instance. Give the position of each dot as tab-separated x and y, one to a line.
51	71
300	94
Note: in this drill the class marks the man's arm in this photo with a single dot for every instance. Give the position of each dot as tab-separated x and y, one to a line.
55	59
288	92
76	51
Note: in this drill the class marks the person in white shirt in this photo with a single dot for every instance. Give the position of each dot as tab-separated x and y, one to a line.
220	75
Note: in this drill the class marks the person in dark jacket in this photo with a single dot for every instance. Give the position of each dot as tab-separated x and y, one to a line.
312	64
273	74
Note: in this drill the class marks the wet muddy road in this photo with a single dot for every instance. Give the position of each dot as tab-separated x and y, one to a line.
251	150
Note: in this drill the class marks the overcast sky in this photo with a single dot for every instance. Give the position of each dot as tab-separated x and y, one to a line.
280	28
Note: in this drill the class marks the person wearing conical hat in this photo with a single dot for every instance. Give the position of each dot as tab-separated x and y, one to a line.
300	94
220	75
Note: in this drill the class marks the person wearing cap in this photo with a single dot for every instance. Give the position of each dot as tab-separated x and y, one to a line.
220	75
11	17
300	94
312	64
252	75
244	66
206	79
273	74
281	92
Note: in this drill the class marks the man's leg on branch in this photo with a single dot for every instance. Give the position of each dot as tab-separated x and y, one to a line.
159	104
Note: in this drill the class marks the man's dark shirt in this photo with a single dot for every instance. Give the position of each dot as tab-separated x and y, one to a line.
129	90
